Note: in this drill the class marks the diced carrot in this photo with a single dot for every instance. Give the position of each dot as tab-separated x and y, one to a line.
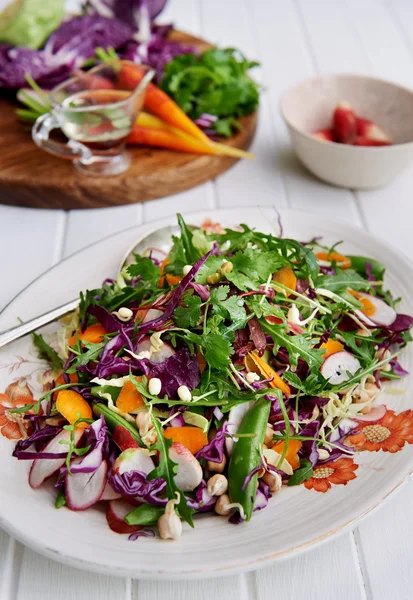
368	307
193	438
291	455
342	261
286	276
269	373
171	279
129	398
331	347
159	103
73	378
73	406
202	363
93	334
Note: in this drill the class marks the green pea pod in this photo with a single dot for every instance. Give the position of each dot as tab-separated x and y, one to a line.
145	514
358	263
112	419
246	456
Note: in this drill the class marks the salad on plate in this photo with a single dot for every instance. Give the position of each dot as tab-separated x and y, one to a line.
212	377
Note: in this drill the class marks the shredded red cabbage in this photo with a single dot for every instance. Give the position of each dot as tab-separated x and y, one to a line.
133	484
179	369
147	533
214	451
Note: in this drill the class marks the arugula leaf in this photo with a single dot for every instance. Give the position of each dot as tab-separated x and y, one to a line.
302	474
191	253
92	353
167	469
342	280
145	268
298	346
188	316
313	385
217	350
86	299
47	352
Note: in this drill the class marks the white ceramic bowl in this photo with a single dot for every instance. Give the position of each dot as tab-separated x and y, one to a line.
309	106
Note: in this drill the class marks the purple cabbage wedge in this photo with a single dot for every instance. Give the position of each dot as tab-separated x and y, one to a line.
134	484
180	369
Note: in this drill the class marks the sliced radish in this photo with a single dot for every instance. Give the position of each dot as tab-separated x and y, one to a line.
374	415
83	490
133	459
189	474
157	357
381	314
109	493
336	368
235	416
115	516
152	314
123	438
43	468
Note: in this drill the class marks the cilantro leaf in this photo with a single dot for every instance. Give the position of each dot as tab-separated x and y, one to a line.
302	474
252	267
217	350
188	316
145	268
218	294
211	266
167	469
47	352
342	280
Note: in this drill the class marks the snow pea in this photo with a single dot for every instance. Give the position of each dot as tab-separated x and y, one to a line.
246	456
145	514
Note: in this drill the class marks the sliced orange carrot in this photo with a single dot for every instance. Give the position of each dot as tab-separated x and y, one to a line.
72	406
73	378
192	438
93	334
202	363
159	103
286	276
368	307
269	373
331	347
171	279
342	261
292	452
129	397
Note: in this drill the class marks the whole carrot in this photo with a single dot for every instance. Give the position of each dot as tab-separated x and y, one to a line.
129	77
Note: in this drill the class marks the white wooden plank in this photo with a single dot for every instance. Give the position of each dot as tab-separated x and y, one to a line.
198	198
324	572
88	226
30	242
49	580
287	58
228	588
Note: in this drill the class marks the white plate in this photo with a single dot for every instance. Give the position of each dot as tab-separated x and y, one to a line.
295	519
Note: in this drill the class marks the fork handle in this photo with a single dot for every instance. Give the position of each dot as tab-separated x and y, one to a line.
14	333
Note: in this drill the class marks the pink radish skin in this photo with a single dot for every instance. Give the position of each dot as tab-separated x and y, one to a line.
43	468
109	493
83	490
157	357
189	474
115	516
374	415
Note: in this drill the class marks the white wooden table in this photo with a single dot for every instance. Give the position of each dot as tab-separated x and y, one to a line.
293	39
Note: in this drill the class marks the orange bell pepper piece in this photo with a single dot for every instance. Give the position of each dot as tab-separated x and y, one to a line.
286	276
268	373
129	398
93	334
292	452
331	347
193	438
342	261
73	406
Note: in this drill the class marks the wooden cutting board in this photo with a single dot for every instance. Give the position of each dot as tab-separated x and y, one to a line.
32	177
